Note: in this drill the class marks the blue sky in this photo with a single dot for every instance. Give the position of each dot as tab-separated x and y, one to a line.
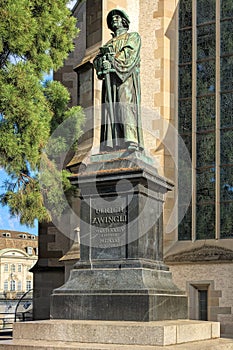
6	221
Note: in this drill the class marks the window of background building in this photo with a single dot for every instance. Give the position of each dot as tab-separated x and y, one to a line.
23	236
13	268
28	285
5	267
206	114
12	285
30	250
85	75
6	285
6	234
19	286
85	85
19	268
94	22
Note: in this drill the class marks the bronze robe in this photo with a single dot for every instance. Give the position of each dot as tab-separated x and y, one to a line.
125	93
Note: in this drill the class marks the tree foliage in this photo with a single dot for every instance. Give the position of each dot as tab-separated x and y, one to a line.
35	38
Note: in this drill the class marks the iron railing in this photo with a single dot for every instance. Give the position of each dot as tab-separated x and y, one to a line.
22	313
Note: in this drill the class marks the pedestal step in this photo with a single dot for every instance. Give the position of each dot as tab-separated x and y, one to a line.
115	332
142	334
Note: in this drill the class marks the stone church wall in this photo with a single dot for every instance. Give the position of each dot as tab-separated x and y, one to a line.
218	279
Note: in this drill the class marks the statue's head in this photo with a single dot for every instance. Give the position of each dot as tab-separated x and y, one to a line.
122	14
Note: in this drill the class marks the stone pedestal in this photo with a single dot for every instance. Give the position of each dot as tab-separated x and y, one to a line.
106	335
121	274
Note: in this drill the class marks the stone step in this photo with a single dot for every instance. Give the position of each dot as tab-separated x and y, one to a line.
213	344
117	332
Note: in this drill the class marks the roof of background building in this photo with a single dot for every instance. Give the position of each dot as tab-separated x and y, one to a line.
17	239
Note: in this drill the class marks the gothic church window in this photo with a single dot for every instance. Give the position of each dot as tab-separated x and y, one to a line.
206	114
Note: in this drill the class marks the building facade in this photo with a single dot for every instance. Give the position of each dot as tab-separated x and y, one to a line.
18	254
186	78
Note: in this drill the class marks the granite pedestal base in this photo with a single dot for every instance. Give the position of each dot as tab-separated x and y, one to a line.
120	293
121	274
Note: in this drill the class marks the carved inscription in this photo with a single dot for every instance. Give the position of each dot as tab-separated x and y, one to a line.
109	219
109	227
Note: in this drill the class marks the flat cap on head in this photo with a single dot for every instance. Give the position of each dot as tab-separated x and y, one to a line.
117	12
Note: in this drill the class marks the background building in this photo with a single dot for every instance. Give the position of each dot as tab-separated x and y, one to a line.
186	79
18	254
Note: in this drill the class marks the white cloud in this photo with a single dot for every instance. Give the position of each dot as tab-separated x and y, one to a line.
12	223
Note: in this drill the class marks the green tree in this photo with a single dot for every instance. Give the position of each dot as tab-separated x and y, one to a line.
35	38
